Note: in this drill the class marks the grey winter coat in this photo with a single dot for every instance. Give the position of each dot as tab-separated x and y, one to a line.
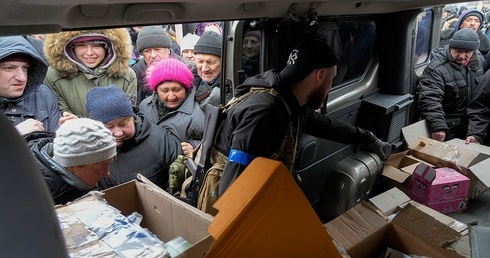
38	101
187	122
445	90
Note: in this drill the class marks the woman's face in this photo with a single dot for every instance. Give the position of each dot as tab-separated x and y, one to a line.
121	128
91	55
173	94
251	47
208	66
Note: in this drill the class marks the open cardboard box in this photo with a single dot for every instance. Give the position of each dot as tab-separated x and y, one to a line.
163	214
391	220
471	160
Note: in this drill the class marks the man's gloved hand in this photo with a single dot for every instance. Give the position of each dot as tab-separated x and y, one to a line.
383	149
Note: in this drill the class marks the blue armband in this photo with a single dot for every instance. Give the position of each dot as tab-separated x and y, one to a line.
240	157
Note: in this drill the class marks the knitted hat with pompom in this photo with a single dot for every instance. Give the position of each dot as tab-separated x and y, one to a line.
169	70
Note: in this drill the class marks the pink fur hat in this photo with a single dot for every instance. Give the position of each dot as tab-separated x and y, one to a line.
170	70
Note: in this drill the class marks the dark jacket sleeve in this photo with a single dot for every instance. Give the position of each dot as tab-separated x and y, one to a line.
430	97
321	126
479	110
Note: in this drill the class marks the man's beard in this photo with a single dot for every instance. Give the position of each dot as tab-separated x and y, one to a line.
316	99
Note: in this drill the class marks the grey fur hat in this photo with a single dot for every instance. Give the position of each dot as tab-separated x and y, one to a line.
209	43
465	39
152	36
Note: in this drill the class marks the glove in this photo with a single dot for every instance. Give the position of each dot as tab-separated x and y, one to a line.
383	149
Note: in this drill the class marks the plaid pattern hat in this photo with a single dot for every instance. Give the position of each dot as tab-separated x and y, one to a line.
308	55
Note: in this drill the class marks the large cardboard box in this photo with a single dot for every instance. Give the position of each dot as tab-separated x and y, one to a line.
265	214
470	160
162	214
389	221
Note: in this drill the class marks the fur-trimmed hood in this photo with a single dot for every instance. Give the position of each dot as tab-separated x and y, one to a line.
54	49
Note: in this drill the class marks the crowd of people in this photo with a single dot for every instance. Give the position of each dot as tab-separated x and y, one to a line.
97	107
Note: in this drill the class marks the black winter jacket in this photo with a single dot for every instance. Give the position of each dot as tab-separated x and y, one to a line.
479	111
445	90
150	153
259	124
63	185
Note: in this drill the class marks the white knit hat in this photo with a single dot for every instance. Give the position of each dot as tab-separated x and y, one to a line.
83	141
188	41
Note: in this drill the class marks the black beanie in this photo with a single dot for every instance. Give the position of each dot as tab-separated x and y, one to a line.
309	55
466	39
209	43
152	37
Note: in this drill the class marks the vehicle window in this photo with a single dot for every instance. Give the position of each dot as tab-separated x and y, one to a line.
251	45
423	28
351	41
355	48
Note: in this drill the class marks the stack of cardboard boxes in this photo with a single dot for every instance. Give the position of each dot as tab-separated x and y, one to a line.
264	213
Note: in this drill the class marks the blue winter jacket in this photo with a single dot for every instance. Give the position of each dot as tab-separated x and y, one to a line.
38	101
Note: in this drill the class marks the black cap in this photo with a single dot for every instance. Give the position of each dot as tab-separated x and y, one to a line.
308	55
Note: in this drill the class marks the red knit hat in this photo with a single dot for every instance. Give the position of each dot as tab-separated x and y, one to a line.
170	70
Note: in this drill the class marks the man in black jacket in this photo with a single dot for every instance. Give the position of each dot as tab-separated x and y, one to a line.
448	84
73	161
268	124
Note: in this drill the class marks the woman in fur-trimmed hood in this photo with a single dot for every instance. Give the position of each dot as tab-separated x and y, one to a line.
81	60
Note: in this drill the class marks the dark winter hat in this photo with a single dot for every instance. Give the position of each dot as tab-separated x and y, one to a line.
464	15
19	57
253	33
450	8
465	39
309	55
83	141
152	36
107	103
209	43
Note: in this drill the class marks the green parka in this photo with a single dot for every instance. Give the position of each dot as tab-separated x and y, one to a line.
71	80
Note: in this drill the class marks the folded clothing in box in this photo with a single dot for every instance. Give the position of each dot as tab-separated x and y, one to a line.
91	227
443	189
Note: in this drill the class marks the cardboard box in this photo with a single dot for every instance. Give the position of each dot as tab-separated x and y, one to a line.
442	189
470	160
265	214
162	214
397	171
470	163
93	228
365	231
